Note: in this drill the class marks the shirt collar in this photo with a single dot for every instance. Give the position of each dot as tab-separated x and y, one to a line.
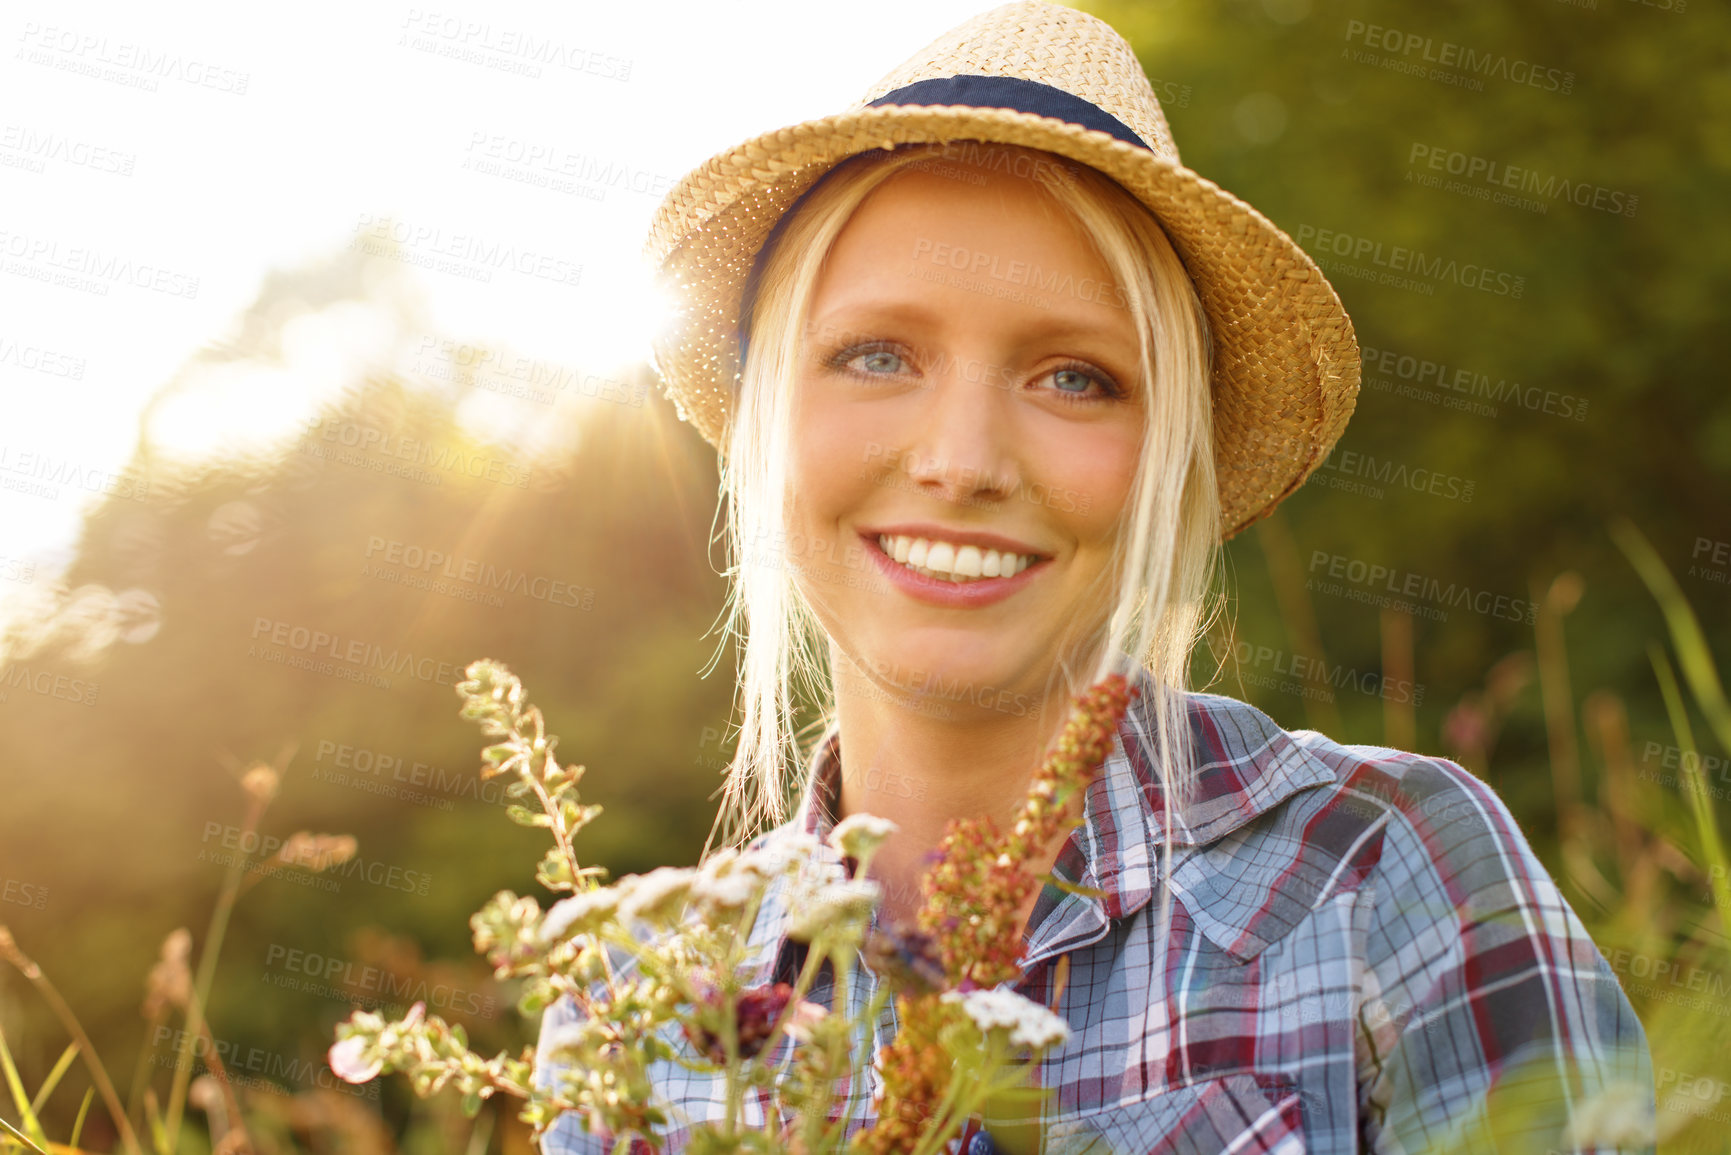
1243	765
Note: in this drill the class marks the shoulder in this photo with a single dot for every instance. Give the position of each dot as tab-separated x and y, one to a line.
1448	842
1413	837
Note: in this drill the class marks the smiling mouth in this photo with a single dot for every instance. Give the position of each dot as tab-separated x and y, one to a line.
947	561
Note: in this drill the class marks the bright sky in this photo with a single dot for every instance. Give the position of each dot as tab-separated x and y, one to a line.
158	161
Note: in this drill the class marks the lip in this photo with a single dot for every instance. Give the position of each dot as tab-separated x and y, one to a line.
960	595
958	536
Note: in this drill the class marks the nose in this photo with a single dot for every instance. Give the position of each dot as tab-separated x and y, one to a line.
962	449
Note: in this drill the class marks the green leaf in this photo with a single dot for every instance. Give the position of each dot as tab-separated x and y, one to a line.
523	816
472	1104
38	1138
83	1109
53	1079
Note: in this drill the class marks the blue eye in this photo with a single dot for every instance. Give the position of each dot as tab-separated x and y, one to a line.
878	361
1072	383
870	361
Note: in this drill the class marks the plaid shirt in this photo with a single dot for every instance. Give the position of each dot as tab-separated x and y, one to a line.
1364	955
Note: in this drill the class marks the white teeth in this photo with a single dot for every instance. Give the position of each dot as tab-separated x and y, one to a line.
949	562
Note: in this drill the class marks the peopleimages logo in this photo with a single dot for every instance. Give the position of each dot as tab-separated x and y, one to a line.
310	644
370	439
419	567
1406	584
978	263
467	254
47	683
1463	389
235	843
1398	260
252	1067
307	970
1454	63
90	269
1384	471
1496	175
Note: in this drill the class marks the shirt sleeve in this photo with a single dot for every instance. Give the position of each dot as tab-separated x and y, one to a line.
1488	1019
566	1136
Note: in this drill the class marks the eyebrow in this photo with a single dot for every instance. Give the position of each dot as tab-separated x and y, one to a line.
869	311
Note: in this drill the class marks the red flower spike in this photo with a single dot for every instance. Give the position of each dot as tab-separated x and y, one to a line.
972	896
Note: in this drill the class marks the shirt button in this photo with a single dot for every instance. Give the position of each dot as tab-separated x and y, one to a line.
981	1144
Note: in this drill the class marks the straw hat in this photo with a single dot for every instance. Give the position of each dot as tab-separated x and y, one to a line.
1286	362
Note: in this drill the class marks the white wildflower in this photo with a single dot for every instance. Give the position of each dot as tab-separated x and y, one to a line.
1029	1024
833	905
656	894
858	835
730	891
789	851
579	909
729	879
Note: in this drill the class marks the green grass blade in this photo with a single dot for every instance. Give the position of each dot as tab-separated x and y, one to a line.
1693	655
53	1079
158	1130
83	1109
1706	826
27	1116
23	1138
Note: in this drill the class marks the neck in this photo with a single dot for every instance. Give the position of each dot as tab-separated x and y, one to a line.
921	760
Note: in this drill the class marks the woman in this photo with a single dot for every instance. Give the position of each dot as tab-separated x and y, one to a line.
993	376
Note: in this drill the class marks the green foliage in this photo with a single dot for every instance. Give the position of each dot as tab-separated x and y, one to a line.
1621	311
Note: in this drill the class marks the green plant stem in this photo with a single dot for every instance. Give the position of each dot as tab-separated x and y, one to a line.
1553	662
141	1072
22	1137
78	1123
1286	574
27	1114
801	985
98	1073
217	1068
1706	826
1692	652
952	1113
730	1040
207	974
1399	725
831	1138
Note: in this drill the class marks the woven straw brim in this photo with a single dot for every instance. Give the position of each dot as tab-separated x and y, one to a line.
1286	361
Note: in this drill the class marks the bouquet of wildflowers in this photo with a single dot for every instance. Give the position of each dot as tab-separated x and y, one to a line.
662	967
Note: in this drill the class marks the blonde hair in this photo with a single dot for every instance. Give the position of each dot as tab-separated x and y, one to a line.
1166	551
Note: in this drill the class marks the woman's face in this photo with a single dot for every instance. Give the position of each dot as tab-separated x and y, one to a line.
968	378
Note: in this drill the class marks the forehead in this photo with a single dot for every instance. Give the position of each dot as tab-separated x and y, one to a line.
931	243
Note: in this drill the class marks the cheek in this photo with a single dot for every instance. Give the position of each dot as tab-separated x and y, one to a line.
828	458
1090	479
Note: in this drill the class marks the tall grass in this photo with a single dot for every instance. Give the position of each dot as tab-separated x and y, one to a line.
1645	868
